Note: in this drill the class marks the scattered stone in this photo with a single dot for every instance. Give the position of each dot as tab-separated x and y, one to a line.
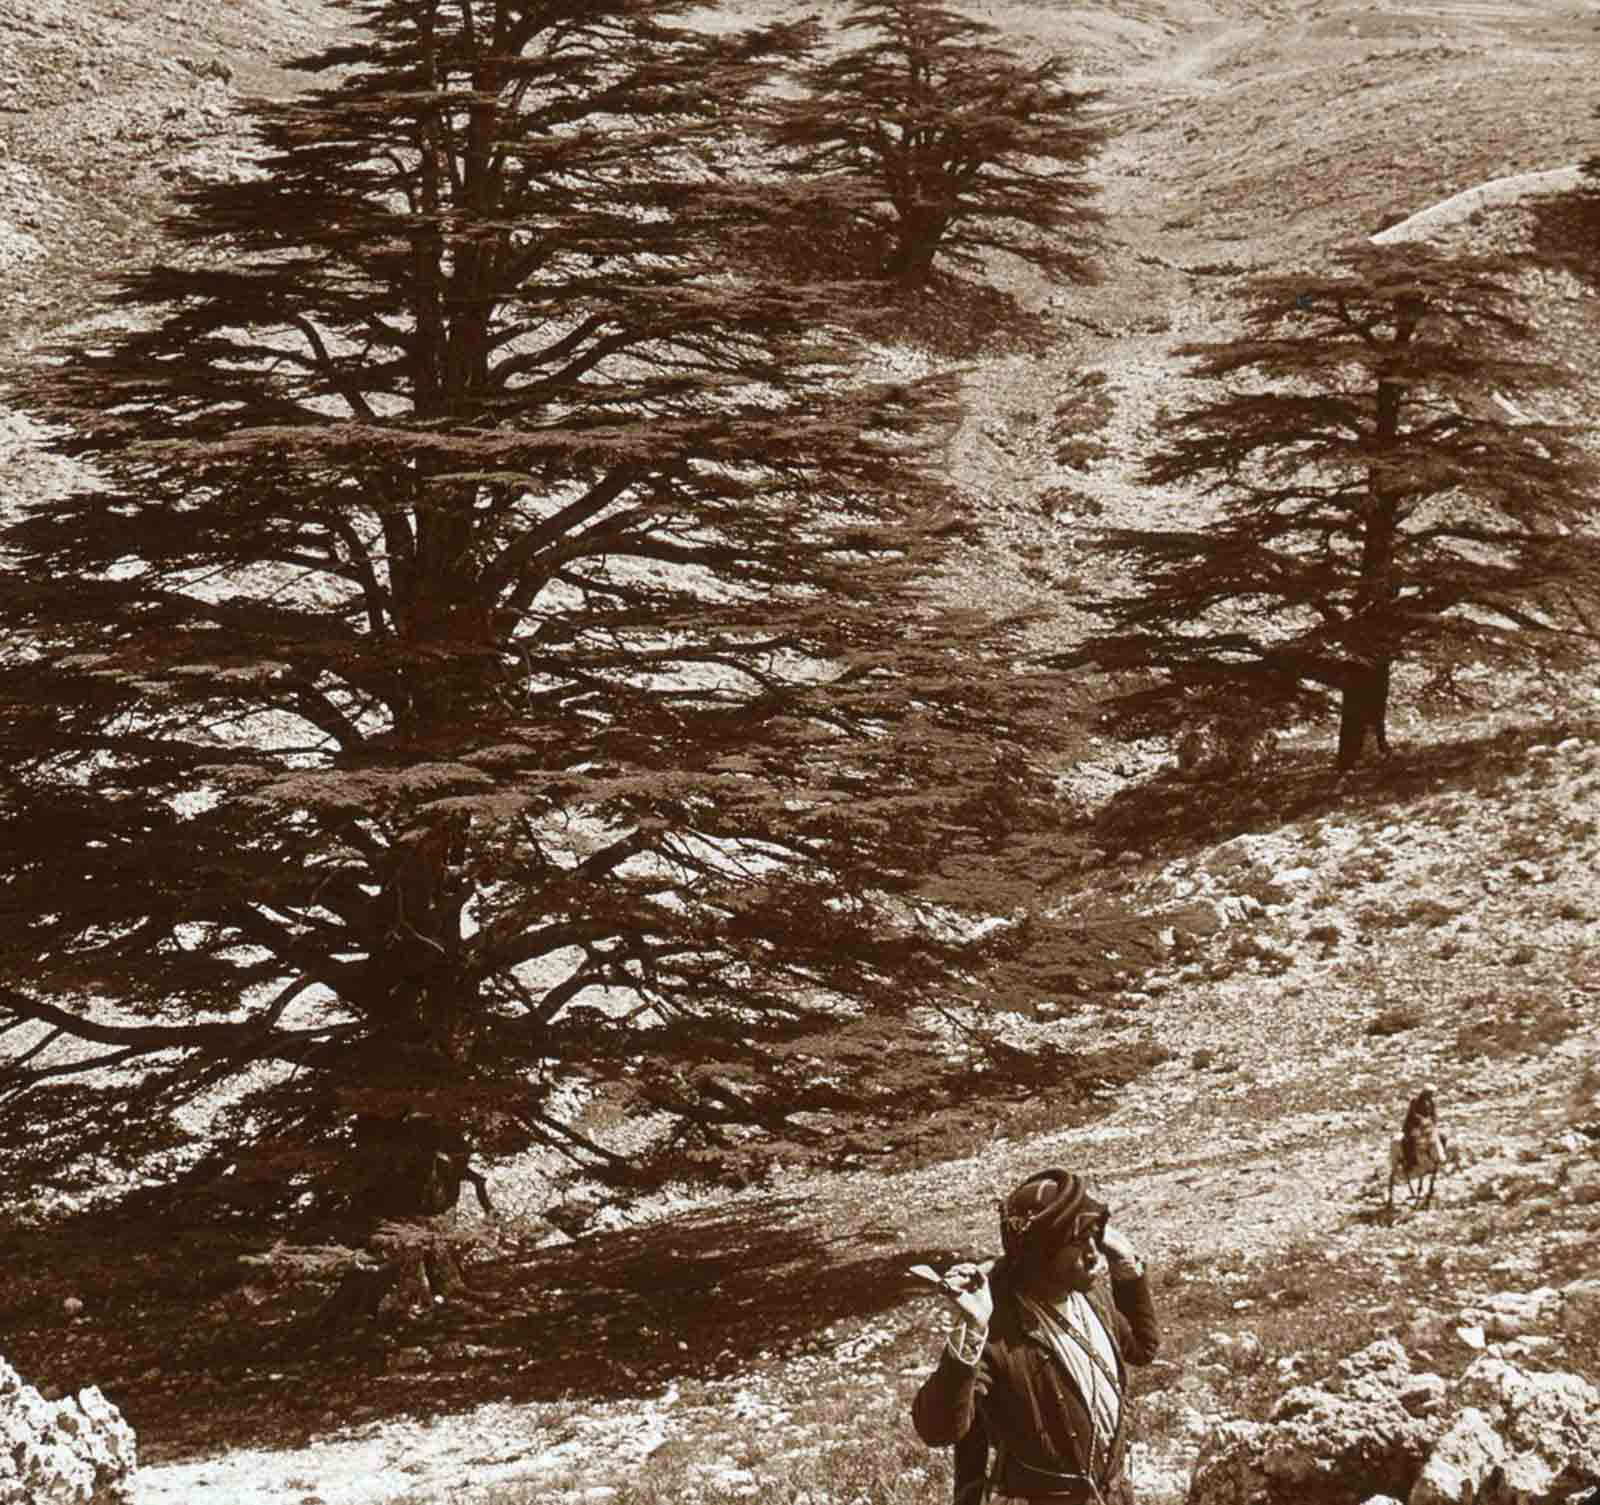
1583	1183
399	1360
1221	750
1240	1350
574	1216
1239	908
1509	1314
1229	855
1196	921
1520	1348
1385	1357
211	67
1423	1394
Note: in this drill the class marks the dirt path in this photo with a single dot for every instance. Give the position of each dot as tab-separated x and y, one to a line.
1110	370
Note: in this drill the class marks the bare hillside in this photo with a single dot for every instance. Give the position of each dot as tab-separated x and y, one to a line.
107	108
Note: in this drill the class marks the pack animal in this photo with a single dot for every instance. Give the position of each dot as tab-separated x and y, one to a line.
1429	1153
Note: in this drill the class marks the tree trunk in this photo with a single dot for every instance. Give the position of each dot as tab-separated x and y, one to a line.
1363	708
1364	704
916	235
910	264
410	1284
418	1165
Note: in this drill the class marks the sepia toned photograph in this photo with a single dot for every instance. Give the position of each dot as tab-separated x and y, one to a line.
836	753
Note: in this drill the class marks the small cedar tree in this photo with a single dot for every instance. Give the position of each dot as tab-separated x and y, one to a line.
933	140
493	666
1380	494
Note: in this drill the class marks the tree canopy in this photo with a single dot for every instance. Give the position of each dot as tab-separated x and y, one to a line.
934	141
1380	493
493	662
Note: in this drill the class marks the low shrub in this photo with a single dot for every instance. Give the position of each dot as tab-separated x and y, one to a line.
1395	1020
1527	1028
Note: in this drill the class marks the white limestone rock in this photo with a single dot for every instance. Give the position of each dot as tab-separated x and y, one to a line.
1510	1314
1460	1461
77	1451
1515	1435
1500	1435
1385	1361
1552	1416
1424	1394
1580	1305
1317	1448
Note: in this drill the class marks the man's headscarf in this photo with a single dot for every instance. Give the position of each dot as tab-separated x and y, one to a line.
1042	1214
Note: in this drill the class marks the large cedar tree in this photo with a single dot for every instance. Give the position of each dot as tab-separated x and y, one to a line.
934	141
1382	489
493	663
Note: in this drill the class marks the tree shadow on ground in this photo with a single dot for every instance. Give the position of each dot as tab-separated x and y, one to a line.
1166	814
197	1370
710	1290
952	315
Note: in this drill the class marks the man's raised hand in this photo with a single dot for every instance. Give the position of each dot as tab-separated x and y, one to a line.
1119	1249
965	1287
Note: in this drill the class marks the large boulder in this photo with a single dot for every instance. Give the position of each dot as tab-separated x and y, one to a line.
1462	1460
1316	1449
1500	1435
77	1451
1517	1435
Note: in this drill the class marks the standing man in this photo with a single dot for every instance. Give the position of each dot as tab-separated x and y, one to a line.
1038	1370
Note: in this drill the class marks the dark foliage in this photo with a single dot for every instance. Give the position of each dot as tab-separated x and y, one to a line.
494	660
930	140
1380	495
1566	226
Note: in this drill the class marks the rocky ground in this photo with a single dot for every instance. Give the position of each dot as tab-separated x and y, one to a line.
105	110
1438	921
